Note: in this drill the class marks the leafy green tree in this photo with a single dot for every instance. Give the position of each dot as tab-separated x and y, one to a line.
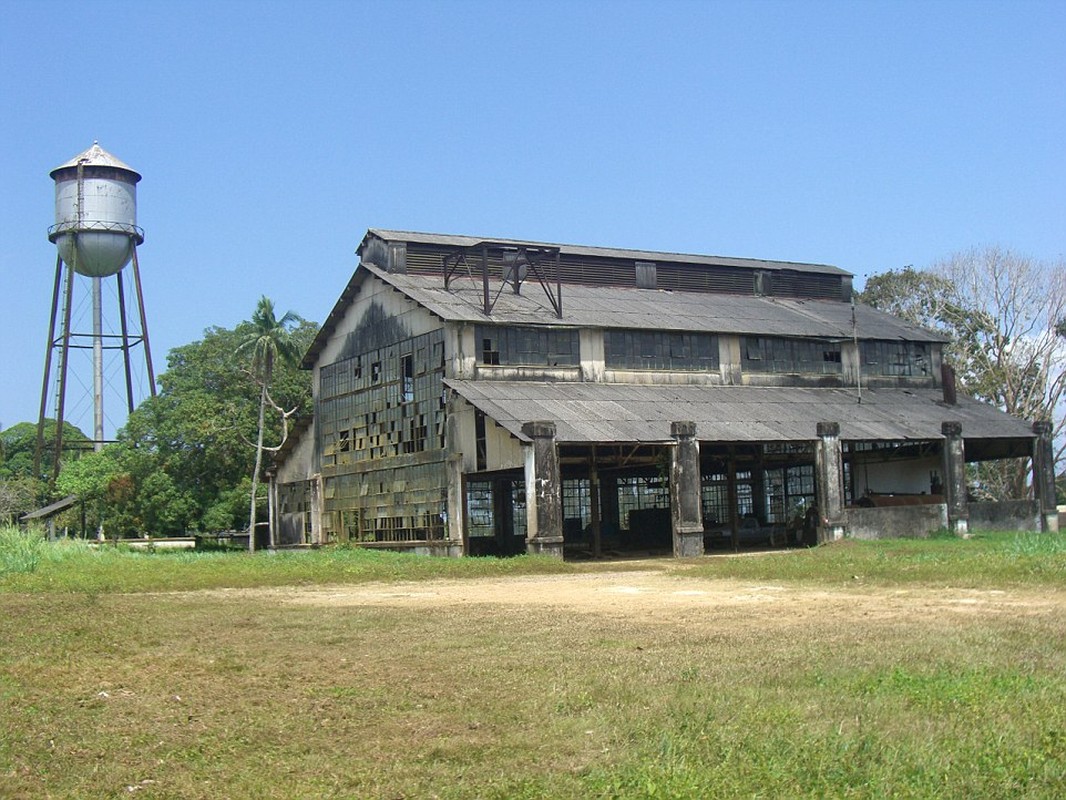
183	458
17	496
97	479
162	506
269	340
20	440
230	510
1005	314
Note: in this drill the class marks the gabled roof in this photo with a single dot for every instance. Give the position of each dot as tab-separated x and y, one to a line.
651	309
624	307
632	413
449	240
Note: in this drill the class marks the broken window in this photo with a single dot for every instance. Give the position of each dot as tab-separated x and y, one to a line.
480	520
660	350
480	437
896	358
790	356
529	346
714	496
407	371
641	493
490	353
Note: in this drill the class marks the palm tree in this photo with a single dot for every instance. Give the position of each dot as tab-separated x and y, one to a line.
269	340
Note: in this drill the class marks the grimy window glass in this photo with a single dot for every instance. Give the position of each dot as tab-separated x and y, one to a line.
660	350
527	346
784	355
896	358
381	420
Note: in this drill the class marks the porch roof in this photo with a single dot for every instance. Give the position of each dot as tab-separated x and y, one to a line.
586	413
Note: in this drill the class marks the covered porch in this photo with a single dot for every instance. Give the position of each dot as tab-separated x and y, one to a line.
607	470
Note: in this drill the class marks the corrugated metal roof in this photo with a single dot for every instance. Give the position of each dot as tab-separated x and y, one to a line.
50	510
610	412
449	240
651	309
95	156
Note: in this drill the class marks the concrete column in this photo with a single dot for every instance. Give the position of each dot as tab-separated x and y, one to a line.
829	479
544	507
316	510
272	505
594	503
1044	476
454	501
686	514
955	478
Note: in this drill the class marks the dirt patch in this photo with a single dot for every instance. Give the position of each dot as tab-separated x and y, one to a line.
658	593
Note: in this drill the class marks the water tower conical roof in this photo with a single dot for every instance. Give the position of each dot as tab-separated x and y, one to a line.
95	156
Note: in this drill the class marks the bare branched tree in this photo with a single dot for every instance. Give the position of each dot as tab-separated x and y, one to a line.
1006	316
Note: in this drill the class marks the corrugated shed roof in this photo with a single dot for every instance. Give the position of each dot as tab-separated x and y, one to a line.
51	509
651	309
625	307
449	240
611	412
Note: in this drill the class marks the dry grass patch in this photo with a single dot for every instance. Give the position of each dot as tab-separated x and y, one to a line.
606	684
931	669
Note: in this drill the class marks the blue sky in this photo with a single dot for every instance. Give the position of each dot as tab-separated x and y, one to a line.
271	135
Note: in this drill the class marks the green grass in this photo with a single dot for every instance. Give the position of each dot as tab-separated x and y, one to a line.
75	566
987	558
116	680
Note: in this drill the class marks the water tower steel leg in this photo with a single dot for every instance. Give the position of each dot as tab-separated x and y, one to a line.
98	365
39	448
125	341
144	322
64	354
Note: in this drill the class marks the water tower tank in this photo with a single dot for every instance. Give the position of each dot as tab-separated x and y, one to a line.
96	213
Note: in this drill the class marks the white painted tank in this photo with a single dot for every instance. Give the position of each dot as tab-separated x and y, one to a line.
96	213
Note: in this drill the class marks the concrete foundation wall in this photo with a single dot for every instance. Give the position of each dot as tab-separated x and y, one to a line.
920	521
1010	515
895	522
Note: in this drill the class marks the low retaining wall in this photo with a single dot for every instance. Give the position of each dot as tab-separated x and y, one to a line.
1008	515
442	547
168	543
919	521
896	522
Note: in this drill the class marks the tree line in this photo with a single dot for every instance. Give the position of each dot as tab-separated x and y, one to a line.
186	459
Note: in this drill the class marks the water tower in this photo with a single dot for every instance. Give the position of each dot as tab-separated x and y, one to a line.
96	235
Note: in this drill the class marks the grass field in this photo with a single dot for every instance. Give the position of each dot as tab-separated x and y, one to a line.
908	668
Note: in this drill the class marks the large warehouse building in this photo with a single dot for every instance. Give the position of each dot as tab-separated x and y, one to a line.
495	397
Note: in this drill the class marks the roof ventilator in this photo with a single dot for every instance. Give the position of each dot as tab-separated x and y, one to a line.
511	264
